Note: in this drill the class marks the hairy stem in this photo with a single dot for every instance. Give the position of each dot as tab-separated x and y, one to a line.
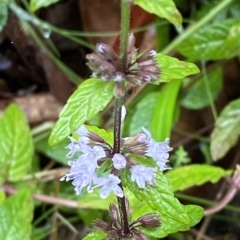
125	17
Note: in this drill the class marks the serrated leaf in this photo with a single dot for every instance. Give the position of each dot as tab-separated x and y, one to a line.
16	145
3	14
196	174
15	217
226	131
163	115
196	97
219	40
95	236
160	198
162	8
141	118
172	68
91	97
195	214
36	4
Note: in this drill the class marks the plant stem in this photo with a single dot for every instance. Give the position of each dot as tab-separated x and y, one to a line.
223	4
125	17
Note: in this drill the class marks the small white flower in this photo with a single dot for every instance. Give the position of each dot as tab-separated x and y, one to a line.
109	184
119	161
142	175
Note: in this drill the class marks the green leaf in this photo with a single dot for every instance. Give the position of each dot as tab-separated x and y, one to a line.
226	131
195	214
91	97
143	160
16	145
163	116
162	8
57	152
15	217
219	40
196	174
141	118
161	200
93	201
107	136
36	4
3	14
2	196
172	68
196	96
95	236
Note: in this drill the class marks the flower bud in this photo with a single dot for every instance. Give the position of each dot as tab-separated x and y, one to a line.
150	220
100	224
106	51
113	211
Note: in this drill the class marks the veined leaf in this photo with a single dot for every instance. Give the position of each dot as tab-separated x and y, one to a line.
91	97
15	217
16	145
160	199
36	4
172	68
195	213
95	236
163	114
219	40
196	97
162	8
196	174
3	14
226	131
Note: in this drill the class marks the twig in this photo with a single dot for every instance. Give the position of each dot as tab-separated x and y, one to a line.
229	195
46	199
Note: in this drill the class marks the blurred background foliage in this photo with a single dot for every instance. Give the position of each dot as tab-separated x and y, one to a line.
42	59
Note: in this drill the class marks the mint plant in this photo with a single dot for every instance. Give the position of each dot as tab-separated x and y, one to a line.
127	169
134	162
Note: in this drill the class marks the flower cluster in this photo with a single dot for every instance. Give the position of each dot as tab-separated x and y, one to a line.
106	64
94	152
114	229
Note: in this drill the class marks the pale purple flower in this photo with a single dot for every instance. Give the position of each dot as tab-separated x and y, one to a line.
109	184
142	175
73	146
91	154
82	171
157	150
82	131
119	161
81	175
